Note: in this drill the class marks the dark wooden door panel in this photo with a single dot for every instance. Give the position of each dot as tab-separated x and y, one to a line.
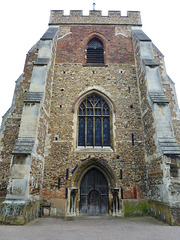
94	193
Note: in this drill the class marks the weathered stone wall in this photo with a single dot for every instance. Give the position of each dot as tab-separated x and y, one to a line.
164	212
10	126
37	165
160	113
153	161
4	176
147	118
117	80
170	92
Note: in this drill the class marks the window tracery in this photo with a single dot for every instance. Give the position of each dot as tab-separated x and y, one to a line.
94	122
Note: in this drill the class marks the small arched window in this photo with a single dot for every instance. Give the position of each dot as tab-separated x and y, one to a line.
95	51
94	122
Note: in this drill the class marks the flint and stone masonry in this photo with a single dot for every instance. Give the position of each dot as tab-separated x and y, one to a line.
94	125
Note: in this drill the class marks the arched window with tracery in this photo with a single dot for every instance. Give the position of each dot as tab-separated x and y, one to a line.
93	122
95	51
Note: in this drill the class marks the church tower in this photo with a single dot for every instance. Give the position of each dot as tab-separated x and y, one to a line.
94	127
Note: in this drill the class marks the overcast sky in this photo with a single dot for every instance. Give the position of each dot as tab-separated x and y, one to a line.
24	22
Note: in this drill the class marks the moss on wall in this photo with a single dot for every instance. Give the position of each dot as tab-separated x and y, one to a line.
18	212
164	212
134	207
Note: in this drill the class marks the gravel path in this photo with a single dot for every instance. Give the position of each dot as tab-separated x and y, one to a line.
94	228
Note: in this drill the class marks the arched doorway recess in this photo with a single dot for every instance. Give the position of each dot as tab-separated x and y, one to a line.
93	189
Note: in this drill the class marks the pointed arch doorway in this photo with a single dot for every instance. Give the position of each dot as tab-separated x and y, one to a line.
94	193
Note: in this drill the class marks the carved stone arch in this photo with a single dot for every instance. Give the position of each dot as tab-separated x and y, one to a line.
91	91
92	188
97	163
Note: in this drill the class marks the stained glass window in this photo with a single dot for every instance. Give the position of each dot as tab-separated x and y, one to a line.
98	131
94	122
106	132
81	131
89	131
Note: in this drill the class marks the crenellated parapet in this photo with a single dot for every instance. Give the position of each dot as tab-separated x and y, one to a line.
57	17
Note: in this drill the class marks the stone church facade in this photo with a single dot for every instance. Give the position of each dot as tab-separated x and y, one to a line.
94	125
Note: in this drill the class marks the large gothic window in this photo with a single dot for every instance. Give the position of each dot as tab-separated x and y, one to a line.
94	122
95	51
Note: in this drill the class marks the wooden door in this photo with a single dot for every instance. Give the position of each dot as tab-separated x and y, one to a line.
94	193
